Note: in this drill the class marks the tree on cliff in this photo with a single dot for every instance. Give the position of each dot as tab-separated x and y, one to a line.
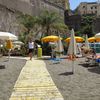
51	23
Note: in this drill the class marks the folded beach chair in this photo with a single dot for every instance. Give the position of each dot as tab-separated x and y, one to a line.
98	61
56	60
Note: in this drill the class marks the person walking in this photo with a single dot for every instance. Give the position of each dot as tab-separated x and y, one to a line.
31	48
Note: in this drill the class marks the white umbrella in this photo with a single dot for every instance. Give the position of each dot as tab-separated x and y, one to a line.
59	48
7	36
72	48
18	43
72	45
97	35
60	45
87	42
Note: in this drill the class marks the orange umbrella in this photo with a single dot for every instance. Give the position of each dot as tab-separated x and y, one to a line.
92	39
97	39
50	38
77	38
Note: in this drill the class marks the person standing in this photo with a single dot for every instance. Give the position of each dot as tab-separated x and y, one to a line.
31	48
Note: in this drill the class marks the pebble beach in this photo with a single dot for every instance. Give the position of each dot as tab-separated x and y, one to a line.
83	84
8	75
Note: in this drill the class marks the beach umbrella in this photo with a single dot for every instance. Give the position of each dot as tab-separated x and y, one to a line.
50	38
72	49
72	44
92	39
77	38
7	36
18	43
87	42
97	36
59	47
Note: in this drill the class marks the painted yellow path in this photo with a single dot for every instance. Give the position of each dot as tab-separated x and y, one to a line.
35	83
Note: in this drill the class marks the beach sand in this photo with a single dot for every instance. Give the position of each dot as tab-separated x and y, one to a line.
84	84
9	75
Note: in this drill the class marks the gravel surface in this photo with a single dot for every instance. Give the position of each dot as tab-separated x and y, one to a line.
84	84
9	72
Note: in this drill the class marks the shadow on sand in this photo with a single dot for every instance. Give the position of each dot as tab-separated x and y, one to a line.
95	69
67	73
2	66
84	65
88	65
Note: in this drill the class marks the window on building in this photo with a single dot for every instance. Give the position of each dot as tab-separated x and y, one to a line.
91	12
96	12
83	6
91	7
95	7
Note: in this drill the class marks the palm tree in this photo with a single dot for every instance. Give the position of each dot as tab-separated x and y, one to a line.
28	22
46	20
59	28
47	23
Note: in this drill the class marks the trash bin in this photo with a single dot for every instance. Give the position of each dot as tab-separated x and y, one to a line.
39	53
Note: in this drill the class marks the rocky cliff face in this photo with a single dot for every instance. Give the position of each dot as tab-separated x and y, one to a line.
9	11
8	20
20	5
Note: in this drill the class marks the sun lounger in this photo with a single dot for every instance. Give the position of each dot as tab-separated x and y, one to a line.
93	60
98	59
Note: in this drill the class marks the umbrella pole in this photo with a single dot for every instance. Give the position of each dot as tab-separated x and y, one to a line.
52	54
73	66
9	54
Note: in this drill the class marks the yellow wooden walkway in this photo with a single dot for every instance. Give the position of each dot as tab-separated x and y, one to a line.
35	83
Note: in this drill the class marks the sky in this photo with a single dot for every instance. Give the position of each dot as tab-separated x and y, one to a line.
75	3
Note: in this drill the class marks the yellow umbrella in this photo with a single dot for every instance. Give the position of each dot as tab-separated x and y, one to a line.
77	38
97	39
50	38
92	39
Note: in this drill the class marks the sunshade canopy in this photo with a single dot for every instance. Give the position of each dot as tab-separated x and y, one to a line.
18	42
97	36
77	38
7	36
50	38
92	39
72	45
